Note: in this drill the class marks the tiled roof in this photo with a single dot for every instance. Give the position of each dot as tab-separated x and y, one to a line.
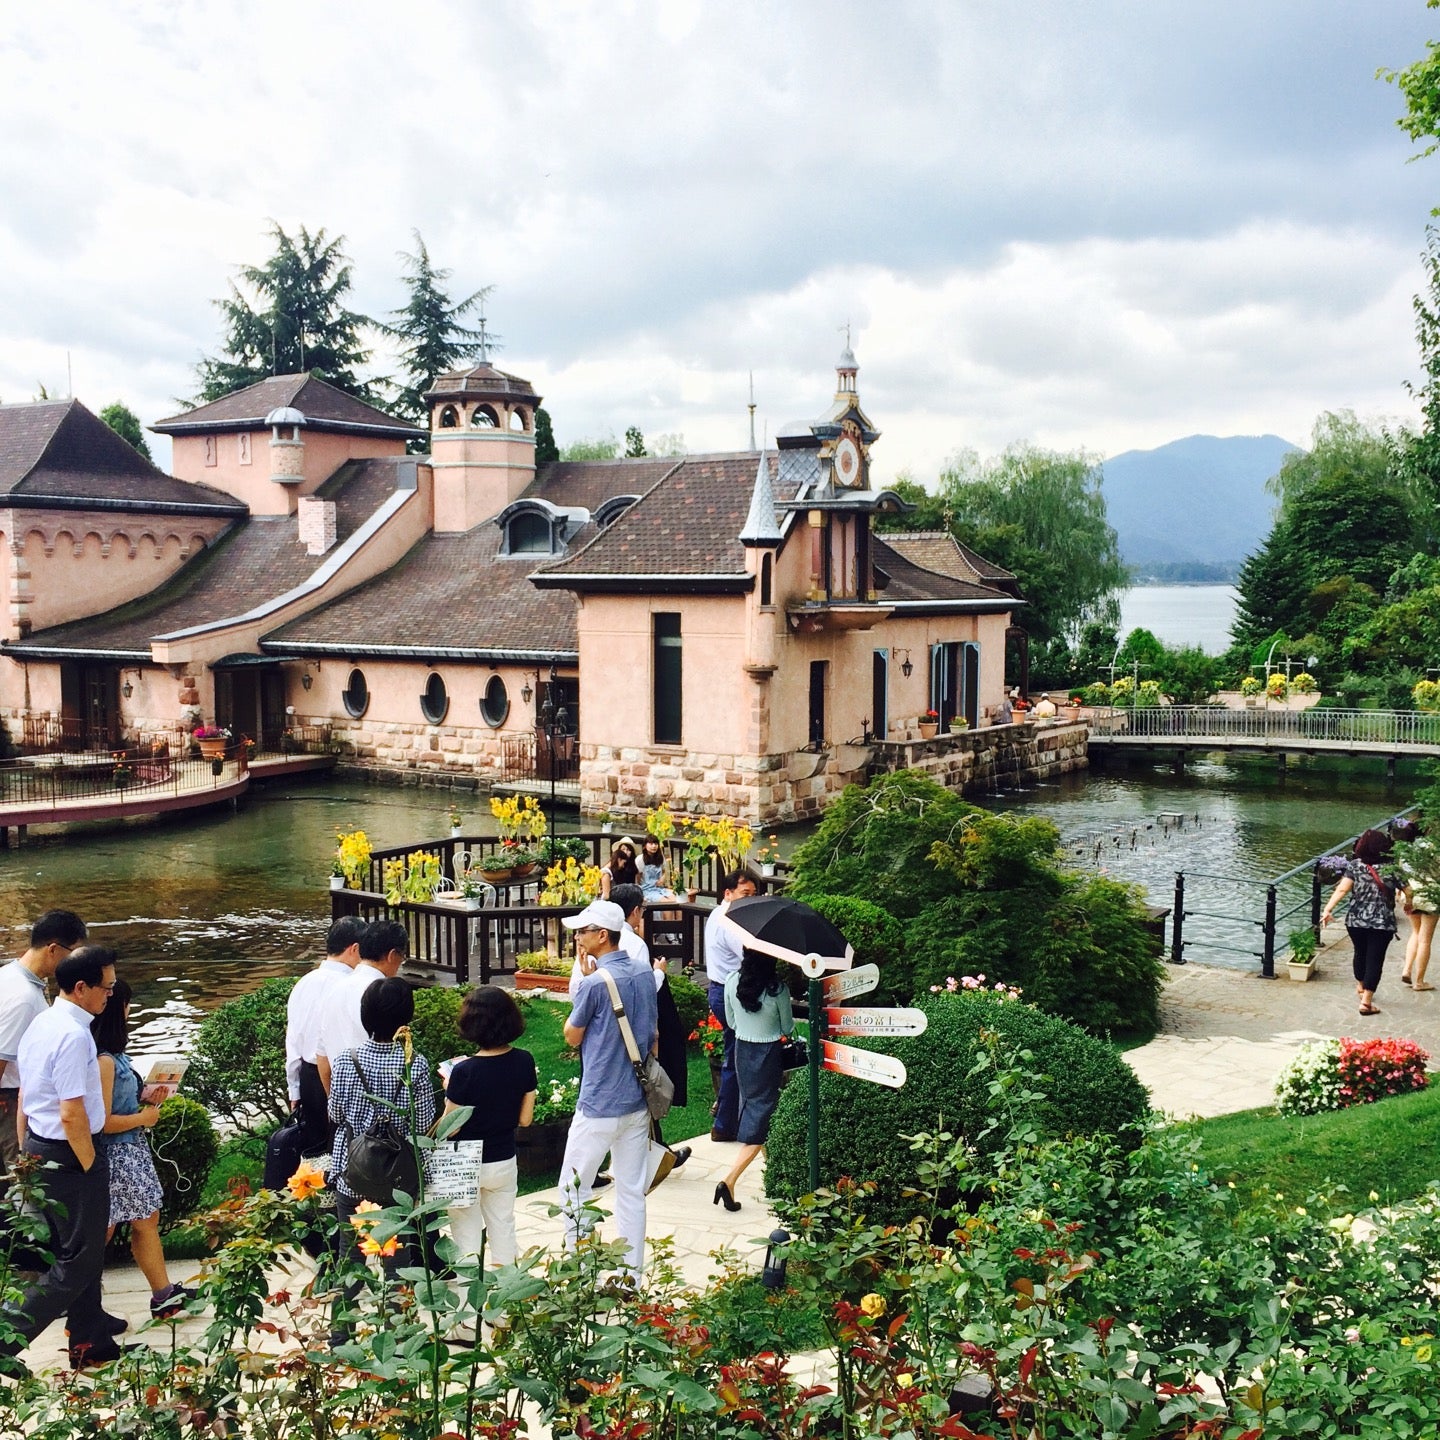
255	562
58	451
689	525
941	552
324	408
451	592
908	581
588	482
480	381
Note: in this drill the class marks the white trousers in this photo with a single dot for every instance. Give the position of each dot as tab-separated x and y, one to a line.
627	1138
493	1213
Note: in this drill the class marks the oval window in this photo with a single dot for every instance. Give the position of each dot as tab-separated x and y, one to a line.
356	696
434	702
495	703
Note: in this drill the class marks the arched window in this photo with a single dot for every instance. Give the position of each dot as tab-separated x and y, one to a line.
519	420
530	534
356	695
434	702
767	579
449	418
485	418
494	703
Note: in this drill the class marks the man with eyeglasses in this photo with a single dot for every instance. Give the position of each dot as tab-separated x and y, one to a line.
22	998
62	1112
610	1113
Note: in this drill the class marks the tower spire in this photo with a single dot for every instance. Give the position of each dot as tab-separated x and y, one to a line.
760	527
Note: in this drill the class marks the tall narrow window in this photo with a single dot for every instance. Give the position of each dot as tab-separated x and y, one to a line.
767	579
817	701
880	693
667	678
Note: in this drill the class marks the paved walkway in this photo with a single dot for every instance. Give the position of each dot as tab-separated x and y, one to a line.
1226	1034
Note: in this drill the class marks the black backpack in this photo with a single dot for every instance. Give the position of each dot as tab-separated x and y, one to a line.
381	1159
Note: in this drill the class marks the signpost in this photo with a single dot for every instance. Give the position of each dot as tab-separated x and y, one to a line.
858	1020
847	984
864	1065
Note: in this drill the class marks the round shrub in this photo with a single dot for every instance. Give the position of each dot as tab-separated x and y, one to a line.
1088	1089
436	1027
184	1145
237	1068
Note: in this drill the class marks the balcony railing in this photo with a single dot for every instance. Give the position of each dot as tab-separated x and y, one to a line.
1271	723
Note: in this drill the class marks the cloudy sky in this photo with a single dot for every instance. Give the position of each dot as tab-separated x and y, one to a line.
1103	224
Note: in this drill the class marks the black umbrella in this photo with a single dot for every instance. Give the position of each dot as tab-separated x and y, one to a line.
789	930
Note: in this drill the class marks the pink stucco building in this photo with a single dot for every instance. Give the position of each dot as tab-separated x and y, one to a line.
725	633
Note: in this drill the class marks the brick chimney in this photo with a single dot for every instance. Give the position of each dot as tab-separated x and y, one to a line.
317	524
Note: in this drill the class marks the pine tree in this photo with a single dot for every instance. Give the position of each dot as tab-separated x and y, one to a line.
290	317
546	450
429	324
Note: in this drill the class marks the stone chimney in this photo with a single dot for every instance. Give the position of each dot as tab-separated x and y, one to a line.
317	524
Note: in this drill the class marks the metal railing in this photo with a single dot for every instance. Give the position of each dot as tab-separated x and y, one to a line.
116	775
1270	724
1276	900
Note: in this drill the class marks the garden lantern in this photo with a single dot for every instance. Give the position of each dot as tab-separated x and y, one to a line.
772	1277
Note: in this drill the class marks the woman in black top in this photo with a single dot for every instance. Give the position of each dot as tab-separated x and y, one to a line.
499	1082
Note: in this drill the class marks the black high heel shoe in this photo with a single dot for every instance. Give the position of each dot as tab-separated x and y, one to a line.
722	1192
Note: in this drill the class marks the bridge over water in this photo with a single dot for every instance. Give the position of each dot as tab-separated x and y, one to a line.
1389	734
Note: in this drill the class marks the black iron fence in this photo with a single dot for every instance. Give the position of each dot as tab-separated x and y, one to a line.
114	775
1255	912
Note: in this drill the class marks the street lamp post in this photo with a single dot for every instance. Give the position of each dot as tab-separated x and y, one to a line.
553	720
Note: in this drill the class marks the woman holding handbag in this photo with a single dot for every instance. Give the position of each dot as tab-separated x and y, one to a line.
757	1009
1370	919
498	1082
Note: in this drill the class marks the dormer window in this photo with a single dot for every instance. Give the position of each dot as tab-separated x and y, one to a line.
607	512
529	534
536	527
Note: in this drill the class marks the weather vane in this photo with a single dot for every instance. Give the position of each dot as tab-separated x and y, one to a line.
485	342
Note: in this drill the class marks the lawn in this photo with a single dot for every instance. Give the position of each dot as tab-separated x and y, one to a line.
1391	1148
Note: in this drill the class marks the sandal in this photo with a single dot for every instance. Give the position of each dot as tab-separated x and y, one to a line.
1405	980
1422	985
1369	1009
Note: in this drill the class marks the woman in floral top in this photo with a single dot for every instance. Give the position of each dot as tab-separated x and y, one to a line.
1370	919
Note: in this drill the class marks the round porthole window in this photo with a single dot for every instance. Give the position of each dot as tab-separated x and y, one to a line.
356	697
495	703
434	702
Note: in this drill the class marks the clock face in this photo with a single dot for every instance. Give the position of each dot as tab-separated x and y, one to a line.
847	462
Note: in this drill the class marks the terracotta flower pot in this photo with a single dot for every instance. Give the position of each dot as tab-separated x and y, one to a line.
928	729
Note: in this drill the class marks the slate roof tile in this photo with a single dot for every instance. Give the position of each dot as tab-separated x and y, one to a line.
323	406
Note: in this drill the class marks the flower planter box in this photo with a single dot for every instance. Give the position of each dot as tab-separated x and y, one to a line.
538	980
539	1149
1302	973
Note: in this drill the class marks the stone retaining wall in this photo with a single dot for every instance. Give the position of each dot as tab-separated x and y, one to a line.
997	757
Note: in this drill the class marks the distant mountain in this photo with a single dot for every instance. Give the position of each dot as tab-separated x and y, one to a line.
1193	503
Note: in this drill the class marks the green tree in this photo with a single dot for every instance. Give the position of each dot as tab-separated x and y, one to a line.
928	512
291	316
599	447
126	424
634	443
546	450
429	326
1420	85
1041	514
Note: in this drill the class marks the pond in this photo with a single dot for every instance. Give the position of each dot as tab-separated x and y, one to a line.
204	908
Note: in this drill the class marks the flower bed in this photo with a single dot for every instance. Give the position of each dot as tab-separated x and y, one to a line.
1335	1074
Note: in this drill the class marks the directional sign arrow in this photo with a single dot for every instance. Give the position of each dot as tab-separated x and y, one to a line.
864	1065
849	983
857	1020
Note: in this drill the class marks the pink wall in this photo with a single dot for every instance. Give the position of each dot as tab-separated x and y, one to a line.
324	454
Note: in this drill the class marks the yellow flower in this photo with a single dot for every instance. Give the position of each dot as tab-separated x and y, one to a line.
873	1305
905	1380
1374	1194
1422	1354
308	1180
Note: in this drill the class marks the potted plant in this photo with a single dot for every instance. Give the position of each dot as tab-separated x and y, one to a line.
709	1035
519	818
929	724
958	723
607	822
122	774
352	857
1301	961
212	740
768	855
1277	687
1304	683
540	1145
540	970
337	875
411	878
455	818
1251	689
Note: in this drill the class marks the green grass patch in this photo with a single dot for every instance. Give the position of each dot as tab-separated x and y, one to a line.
1391	1148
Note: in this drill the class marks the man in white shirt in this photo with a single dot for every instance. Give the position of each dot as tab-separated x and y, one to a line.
722	958
383	949
22	997
303	1013
63	1113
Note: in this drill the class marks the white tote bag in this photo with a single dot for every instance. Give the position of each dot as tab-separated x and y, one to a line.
452	1171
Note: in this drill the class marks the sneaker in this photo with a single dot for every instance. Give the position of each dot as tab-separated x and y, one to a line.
170	1302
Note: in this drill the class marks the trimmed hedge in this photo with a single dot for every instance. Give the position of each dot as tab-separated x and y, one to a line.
1088	1089
692	1003
876	937
184	1146
238	1066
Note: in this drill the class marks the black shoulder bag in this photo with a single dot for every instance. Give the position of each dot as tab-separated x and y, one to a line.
381	1159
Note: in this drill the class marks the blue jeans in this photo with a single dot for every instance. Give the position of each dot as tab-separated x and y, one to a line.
727	1107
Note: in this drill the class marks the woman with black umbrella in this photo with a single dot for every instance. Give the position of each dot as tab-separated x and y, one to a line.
757	1008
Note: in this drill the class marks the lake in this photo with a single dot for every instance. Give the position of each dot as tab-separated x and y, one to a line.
1181	614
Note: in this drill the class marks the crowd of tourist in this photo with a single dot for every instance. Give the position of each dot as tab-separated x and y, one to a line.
71	1098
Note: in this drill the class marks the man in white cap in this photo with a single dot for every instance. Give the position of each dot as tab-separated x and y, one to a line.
610	1113
1045	707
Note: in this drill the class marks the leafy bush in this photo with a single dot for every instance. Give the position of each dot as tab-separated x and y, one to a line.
184	1145
238	1066
1089	1089
436	1026
691	1001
